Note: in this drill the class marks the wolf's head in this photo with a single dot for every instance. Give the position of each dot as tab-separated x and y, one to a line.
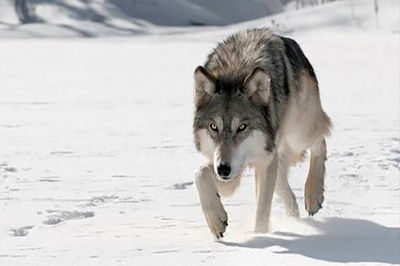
231	125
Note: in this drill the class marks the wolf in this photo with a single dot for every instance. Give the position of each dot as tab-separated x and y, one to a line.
257	105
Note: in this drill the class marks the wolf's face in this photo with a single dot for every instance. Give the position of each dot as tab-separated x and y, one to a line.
230	121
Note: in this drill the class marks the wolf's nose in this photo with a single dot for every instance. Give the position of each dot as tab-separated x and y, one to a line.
224	169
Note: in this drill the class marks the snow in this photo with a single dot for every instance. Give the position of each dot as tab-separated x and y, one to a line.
198	12
97	157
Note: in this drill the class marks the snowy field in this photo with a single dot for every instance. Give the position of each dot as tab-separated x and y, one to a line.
97	158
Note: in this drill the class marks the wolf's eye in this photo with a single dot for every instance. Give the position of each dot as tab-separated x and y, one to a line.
213	127
242	127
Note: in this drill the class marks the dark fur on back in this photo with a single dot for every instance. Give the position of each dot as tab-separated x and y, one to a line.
297	58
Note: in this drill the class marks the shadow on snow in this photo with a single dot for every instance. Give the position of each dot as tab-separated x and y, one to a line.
339	240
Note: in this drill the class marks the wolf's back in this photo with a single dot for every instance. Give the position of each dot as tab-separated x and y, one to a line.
240	53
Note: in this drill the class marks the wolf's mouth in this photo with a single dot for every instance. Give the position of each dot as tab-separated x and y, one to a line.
225	179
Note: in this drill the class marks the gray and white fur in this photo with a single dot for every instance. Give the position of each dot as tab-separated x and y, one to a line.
257	105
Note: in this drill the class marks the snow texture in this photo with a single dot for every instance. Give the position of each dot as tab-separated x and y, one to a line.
97	158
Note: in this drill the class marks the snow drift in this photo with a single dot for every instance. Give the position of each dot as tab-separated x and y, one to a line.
159	12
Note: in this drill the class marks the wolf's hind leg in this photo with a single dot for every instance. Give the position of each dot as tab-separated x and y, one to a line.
214	212
314	188
283	189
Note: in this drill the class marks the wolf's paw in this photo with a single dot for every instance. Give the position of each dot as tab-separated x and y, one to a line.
217	218
293	211
261	228
313	198
291	207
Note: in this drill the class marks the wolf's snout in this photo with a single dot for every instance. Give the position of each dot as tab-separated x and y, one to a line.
224	169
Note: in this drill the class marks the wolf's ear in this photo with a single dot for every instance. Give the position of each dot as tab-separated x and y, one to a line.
204	87
257	86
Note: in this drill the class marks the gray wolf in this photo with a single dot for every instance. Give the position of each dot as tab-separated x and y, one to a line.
257	105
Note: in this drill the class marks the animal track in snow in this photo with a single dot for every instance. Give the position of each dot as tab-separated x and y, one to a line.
49	179
57	217
21	231
181	186
10	169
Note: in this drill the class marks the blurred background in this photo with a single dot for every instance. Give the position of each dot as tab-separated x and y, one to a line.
91	18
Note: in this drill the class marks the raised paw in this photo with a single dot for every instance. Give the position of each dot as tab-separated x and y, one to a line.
313	198
216	217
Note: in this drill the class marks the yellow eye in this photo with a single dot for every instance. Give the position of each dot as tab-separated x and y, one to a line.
213	127
242	127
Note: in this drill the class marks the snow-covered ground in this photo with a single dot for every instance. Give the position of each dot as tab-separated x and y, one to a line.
97	159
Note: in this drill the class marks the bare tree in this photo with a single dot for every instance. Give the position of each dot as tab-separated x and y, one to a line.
25	11
376	9
353	13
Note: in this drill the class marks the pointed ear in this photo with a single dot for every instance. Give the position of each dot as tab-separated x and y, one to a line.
257	86
204	87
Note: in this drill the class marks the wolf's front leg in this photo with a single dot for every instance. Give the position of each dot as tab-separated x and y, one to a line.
216	216
266	173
